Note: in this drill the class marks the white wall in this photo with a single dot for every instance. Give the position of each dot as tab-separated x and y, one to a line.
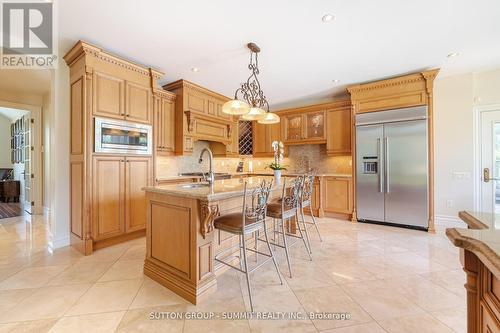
59	122
5	142
47	112
455	98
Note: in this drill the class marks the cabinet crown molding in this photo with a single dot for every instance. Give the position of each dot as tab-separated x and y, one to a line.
82	48
164	94
193	86
393	82
316	107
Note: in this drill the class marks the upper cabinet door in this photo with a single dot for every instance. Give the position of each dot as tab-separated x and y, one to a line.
138	103
259	137
293	128
338	130
168	125
109	96
315	126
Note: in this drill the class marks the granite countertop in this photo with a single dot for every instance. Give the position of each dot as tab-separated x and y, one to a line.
291	173
257	173
220	189
482	238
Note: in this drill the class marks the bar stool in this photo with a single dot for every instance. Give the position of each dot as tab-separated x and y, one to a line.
305	201
250	220
285	209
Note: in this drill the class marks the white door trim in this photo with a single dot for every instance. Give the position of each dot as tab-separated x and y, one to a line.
477	172
36	114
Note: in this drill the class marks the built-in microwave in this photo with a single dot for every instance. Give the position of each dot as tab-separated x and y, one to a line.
122	137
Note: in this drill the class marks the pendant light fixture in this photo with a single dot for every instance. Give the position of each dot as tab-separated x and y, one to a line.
254	105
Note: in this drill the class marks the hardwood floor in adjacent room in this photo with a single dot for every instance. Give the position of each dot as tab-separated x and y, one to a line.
10	210
387	279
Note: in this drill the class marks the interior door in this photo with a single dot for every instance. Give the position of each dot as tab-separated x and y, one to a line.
28	164
369	173
490	161
406	173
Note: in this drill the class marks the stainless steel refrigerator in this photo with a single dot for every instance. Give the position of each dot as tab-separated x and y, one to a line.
392	167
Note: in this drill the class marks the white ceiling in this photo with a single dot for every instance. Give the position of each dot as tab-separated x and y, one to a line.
300	56
12	114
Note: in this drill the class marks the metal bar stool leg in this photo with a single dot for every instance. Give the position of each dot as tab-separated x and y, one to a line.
316	226
286	246
256	245
245	263
305	228
302	235
272	253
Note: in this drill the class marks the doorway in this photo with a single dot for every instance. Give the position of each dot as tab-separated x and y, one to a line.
488	161
20	159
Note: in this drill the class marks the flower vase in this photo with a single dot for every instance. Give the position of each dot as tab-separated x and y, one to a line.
277	176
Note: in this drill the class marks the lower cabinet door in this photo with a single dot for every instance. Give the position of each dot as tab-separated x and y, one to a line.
137	175
108	199
337	195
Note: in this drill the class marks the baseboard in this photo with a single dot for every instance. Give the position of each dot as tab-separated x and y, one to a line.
61	242
46	212
449	221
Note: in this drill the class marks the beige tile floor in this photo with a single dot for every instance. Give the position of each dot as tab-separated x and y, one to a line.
387	279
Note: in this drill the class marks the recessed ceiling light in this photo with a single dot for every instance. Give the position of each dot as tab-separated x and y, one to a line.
327	18
453	55
336	81
195	69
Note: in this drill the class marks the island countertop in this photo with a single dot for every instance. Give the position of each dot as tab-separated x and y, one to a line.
219	190
482	238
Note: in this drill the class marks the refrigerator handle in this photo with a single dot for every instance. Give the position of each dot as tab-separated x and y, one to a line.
386	165
380	163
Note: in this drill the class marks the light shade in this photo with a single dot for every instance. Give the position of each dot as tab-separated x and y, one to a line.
254	114
270	118
235	107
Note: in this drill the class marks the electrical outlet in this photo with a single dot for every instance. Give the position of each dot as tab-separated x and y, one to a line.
449	203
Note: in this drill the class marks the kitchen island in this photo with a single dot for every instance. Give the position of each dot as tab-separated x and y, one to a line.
180	238
481	261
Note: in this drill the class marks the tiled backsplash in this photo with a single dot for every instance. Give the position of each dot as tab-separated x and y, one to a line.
300	158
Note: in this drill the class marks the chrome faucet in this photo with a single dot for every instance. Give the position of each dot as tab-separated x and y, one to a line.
210	177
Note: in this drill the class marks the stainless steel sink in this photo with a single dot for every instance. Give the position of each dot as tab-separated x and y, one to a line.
195	185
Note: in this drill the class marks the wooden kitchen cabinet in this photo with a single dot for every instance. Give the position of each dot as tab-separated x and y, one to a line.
337	195
121	99
338	129
198	116
109	196
109	96
263	137
119	201
304	125
106	200
293	126
138	103
138	174
164	112
314	126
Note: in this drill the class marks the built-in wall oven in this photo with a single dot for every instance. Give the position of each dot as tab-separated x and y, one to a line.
122	137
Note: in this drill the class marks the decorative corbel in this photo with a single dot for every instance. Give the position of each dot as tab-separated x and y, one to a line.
229	130
208	213
190	121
